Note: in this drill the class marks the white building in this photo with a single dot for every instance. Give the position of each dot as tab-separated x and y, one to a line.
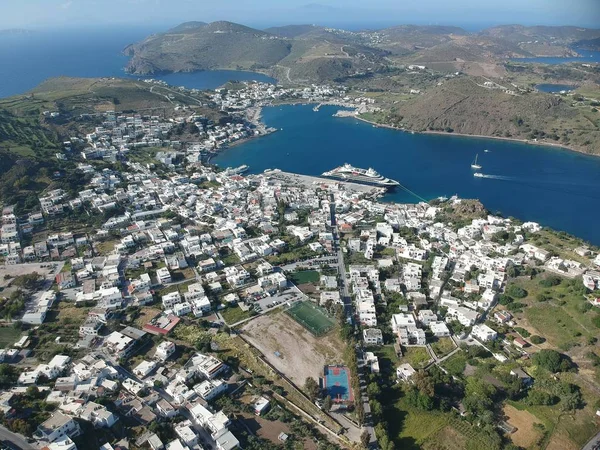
483	333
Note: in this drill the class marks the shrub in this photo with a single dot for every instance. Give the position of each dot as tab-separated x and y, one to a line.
516	291
550	281
522	331
535	339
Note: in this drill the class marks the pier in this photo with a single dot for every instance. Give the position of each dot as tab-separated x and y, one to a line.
311	182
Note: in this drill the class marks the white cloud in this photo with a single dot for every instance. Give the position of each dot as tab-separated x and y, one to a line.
67	4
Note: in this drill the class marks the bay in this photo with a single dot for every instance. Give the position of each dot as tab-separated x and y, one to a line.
556	187
551	88
587	56
29	59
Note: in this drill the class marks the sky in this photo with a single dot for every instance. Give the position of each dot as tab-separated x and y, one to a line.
163	14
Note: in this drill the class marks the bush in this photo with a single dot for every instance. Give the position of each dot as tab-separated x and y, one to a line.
535	339
516	291
523	332
550	281
541	297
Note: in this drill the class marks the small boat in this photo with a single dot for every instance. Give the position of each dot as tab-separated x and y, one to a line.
478	175
486	151
474	164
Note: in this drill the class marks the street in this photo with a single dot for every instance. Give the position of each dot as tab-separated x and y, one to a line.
16	440
349	311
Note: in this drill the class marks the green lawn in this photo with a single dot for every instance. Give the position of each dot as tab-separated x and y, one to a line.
417	357
306	276
455	365
442	346
233	314
8	336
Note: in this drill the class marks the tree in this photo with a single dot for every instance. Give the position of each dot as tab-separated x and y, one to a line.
516	291
311	388
360	412
32	392
424	383
538	397
552	361
327	403
365	438
21	426
373	390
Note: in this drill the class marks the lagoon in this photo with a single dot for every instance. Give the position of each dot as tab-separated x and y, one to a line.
553	186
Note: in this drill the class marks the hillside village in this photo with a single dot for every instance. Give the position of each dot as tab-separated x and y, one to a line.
132	326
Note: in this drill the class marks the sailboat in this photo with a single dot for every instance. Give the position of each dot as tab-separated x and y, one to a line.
474	164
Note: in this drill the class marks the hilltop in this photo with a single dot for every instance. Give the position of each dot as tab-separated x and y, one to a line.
310	53
293	54
201	47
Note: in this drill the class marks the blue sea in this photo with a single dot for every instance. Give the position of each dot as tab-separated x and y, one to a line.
587	56
29	59
555	187
558	188
551	88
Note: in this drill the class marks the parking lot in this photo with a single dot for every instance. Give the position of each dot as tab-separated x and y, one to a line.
47	270
290	295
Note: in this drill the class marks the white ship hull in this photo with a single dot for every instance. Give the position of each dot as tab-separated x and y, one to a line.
362	176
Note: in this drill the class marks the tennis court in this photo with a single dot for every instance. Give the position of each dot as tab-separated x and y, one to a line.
311	317
336	380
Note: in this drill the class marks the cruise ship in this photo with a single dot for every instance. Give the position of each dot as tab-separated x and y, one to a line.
363	176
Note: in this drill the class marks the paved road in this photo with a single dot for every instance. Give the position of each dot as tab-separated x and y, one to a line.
16	440
593	443
349	310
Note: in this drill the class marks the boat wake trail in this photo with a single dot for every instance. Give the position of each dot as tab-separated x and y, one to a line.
497	177
564	187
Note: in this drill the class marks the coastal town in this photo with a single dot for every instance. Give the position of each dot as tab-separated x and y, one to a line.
209	308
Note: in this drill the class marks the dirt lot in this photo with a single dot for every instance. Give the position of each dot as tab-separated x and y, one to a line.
526	435
270	430
49	271
302	354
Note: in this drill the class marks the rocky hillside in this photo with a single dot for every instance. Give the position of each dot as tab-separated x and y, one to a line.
218	45
463	105
309	53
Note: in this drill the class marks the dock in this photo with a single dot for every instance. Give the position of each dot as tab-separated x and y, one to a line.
310	182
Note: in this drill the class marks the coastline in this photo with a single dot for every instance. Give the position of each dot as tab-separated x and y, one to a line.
480	136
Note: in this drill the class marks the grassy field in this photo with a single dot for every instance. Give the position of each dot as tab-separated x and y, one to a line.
442	346
306	276
455	365
416	357
563	318
233	314
311	317
8	336
189	334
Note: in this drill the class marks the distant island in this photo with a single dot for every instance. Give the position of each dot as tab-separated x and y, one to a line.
14	31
